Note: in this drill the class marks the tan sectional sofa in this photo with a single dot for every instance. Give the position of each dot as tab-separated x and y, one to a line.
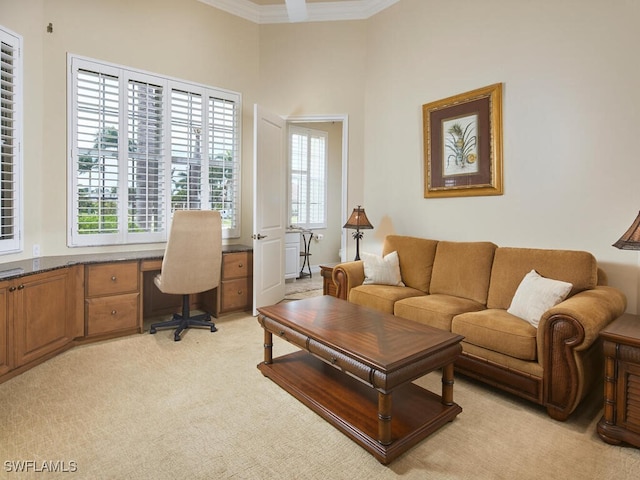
467	288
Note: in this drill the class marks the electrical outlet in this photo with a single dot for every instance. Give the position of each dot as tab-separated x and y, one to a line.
36	250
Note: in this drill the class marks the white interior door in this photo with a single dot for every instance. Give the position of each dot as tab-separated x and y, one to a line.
269	208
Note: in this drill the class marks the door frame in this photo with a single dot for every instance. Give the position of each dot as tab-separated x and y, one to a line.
344	119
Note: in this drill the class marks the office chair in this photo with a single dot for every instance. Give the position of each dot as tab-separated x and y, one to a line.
191	264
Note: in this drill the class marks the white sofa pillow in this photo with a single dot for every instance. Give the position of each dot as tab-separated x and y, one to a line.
382	271
535	295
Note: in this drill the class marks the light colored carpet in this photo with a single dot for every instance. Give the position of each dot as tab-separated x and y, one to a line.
303	285
146	407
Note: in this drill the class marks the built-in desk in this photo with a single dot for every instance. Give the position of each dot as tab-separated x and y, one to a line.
50	304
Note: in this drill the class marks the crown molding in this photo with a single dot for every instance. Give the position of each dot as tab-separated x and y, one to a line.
318	11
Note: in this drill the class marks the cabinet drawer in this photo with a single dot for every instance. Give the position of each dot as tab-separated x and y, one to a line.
236	265
235	294
112	278
110	314
286	333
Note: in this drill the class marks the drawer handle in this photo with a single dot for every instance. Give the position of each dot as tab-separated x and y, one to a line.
12	289
20	287
333	360
113	278
239	292
281	333
113	312
240	265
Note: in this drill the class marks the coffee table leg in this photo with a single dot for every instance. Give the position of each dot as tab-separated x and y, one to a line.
447	385
268	347
384	418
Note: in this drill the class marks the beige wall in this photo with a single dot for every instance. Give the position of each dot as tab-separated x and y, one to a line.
184	39
570	106
571	103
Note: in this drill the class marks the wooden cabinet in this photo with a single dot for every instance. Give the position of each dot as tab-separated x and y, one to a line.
42	309
6	362
291	255
112	298
236	284
621	419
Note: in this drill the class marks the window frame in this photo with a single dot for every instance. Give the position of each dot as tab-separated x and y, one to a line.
15	244
308	132
126	75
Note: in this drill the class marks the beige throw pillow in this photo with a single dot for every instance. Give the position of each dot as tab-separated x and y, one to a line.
382	270
535	295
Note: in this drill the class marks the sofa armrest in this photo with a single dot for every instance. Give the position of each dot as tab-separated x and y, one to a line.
569	348
346	276
592	310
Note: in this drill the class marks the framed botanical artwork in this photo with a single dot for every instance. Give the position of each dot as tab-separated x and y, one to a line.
463	144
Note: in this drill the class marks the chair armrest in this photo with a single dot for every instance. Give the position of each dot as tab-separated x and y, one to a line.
346	276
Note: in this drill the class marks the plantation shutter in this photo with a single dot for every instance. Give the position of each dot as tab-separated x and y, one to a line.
145	168
97	172
308	177
186	150
223	160
142	146
10	137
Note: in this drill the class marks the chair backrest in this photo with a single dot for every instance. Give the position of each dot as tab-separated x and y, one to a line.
193	256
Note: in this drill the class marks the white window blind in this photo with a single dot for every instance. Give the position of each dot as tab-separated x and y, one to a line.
97	168
126	185
186	150
145	146
10	142
224	174
308	175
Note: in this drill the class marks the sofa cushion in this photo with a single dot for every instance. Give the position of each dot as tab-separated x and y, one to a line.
380	297
416	259
510	265
463	269
381	270
535	295
497	330
435	310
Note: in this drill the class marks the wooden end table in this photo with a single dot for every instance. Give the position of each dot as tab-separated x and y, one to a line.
620	422
356	369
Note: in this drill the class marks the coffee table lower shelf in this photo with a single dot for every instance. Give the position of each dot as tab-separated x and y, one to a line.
352	406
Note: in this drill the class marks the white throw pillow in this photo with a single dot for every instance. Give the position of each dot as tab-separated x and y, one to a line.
382	271
535	295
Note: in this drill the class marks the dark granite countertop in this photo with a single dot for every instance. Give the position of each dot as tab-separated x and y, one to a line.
20	268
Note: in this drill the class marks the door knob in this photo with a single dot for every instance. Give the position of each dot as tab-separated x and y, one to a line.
258	236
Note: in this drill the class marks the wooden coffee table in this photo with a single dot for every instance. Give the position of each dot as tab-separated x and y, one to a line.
356	367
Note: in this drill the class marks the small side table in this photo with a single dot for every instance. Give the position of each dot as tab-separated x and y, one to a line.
621	420
306	253
328	287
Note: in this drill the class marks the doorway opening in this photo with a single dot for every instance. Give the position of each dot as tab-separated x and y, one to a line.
330	243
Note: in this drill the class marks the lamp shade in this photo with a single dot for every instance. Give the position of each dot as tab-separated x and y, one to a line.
631	238
358	220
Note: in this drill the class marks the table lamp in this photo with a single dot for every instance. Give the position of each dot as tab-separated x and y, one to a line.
359	221
631	238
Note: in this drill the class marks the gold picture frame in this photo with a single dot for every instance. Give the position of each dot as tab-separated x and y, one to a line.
463	144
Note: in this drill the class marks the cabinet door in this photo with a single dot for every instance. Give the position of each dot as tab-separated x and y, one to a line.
43	312
5	356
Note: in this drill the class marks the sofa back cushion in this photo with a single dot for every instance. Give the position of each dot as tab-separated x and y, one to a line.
416	259
463	269
510	265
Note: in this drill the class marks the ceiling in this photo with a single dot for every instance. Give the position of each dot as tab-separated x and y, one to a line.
276	11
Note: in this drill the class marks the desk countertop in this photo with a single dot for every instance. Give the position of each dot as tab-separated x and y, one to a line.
20	268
